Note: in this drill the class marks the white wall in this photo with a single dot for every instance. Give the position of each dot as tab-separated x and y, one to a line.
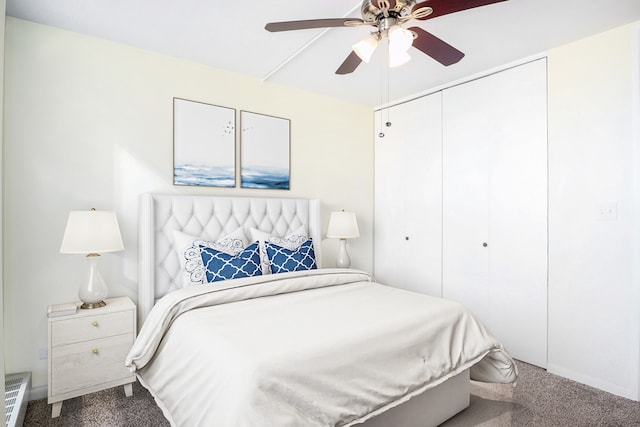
593	165
3	5
594	309
89	124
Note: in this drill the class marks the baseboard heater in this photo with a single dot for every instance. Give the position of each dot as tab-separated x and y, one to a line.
16	397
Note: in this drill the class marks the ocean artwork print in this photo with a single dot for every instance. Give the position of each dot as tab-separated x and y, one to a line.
203	144
265	152
204	175
265	178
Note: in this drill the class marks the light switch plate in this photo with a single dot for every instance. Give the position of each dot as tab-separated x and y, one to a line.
607	211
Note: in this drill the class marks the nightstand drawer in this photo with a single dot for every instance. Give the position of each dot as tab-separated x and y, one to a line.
91	327
87	364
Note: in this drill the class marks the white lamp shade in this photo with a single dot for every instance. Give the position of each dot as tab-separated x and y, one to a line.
398	58
343	225
365	47
91	232
400	39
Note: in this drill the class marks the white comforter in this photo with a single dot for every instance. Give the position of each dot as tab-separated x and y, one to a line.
319	348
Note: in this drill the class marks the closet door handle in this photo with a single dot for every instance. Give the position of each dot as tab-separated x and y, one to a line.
484	244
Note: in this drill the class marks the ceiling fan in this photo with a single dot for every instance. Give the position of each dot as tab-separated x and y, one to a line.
387	16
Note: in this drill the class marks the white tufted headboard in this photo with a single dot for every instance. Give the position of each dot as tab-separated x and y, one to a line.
210	217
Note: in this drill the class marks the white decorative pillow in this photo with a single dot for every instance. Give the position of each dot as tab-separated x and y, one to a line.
187	248
291	242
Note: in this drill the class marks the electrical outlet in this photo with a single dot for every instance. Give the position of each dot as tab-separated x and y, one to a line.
43	353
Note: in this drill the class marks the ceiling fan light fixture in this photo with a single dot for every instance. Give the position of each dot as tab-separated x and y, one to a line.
400	40
397	59
365	47
387	16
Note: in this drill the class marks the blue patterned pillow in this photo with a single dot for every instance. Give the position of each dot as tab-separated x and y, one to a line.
221	266
187	248
283	260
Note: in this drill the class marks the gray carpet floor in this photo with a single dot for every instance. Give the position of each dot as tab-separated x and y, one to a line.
540	399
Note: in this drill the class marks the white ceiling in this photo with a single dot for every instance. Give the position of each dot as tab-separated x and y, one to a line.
231	35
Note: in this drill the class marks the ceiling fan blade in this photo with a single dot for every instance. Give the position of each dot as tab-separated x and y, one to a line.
436	48
445	7
350	64
312	23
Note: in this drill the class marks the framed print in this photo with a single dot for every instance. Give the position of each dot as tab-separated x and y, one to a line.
265	151
203	144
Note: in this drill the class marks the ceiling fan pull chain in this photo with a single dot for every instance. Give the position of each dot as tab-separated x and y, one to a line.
381	134
388	75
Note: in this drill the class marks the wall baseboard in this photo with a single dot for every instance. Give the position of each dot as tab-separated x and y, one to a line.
593	382
38	393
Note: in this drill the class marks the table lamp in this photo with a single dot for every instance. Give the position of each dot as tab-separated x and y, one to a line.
343	225
91	233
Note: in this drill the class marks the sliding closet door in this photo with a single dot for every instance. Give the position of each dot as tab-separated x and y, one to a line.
466	200
495	205
408	192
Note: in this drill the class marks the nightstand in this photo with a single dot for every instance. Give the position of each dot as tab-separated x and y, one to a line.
87	351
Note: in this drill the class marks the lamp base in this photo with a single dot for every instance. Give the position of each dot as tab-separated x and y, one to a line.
343	260
93	305
94	290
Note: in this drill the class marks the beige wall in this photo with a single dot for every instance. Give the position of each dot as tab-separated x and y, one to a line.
89	124
594	303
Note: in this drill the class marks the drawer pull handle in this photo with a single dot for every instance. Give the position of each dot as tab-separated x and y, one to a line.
94	351
95	324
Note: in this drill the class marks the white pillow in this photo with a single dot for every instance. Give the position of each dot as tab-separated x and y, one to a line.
291	242
187	248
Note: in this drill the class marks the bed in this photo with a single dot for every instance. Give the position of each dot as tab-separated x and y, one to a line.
302	346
